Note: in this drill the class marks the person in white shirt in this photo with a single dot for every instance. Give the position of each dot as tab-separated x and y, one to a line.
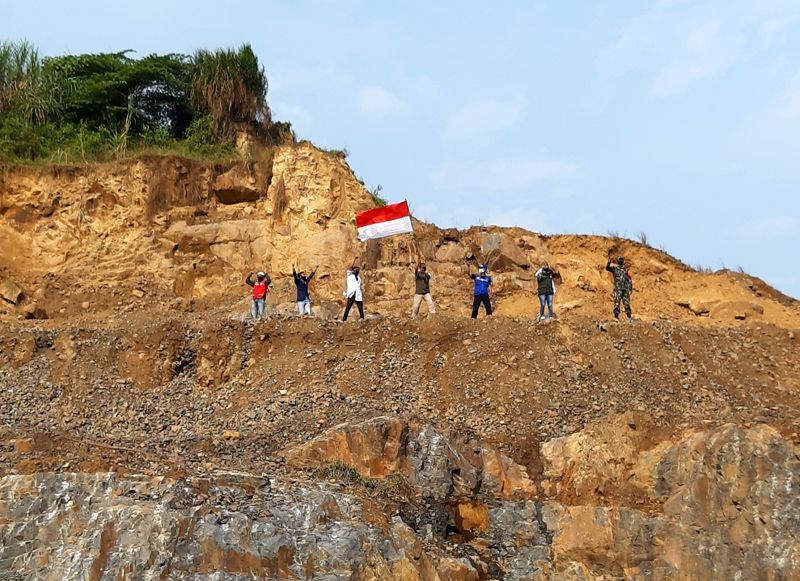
353	292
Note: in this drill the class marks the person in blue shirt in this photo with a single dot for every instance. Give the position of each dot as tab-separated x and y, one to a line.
481	293
302	281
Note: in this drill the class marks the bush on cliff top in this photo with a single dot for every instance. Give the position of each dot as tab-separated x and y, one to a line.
100	106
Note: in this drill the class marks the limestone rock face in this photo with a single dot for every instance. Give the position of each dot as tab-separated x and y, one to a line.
100	526
722	504
441	467
716	504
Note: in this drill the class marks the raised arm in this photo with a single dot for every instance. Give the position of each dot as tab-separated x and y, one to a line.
469	273
313	272
294	272
609	268
249	280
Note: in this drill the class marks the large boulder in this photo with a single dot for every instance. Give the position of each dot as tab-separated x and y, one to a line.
237	185
238	243
502	253
439	466
11	292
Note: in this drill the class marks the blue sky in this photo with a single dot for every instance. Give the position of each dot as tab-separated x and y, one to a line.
679	118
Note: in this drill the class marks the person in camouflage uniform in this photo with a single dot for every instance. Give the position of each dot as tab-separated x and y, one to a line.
622	286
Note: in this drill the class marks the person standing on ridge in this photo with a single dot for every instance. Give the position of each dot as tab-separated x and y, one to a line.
546	278
353	292
301	281
260	292
422	281
623	285
480	295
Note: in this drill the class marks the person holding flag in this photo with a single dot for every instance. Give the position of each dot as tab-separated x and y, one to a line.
389	220
422	290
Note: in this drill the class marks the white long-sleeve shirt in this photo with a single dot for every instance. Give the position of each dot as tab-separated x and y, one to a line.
353	286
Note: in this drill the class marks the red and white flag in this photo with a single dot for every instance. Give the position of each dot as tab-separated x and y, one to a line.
386	221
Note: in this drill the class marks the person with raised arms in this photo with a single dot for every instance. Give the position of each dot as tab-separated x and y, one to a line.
301	281
480	294
260	292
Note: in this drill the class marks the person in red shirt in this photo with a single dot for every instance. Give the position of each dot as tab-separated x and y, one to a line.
260	292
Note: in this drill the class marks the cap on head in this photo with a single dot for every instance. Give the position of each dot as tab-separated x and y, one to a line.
620	260
482	268
260	274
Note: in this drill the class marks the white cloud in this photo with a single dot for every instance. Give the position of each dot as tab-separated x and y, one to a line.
376	102
483	115
499	175
704	54
789	105
771	228
677	43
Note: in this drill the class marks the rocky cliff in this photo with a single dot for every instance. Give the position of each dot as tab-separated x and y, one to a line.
398	500
150	432
184	232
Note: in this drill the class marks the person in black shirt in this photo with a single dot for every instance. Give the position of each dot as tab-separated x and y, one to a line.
302	281
422	281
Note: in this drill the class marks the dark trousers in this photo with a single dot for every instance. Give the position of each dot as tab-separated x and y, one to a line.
479	300
359	304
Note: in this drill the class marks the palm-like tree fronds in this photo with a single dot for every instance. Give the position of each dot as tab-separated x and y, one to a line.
232	86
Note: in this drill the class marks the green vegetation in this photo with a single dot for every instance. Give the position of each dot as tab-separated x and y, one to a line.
377	199
232	87
94	107
337	153
391	486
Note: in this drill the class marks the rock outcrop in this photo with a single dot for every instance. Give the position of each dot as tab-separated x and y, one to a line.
445	470
101	526
717	504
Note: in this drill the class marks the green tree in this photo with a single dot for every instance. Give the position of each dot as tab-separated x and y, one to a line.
116	91
232	87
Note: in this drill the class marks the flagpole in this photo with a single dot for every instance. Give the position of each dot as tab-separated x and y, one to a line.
413	234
